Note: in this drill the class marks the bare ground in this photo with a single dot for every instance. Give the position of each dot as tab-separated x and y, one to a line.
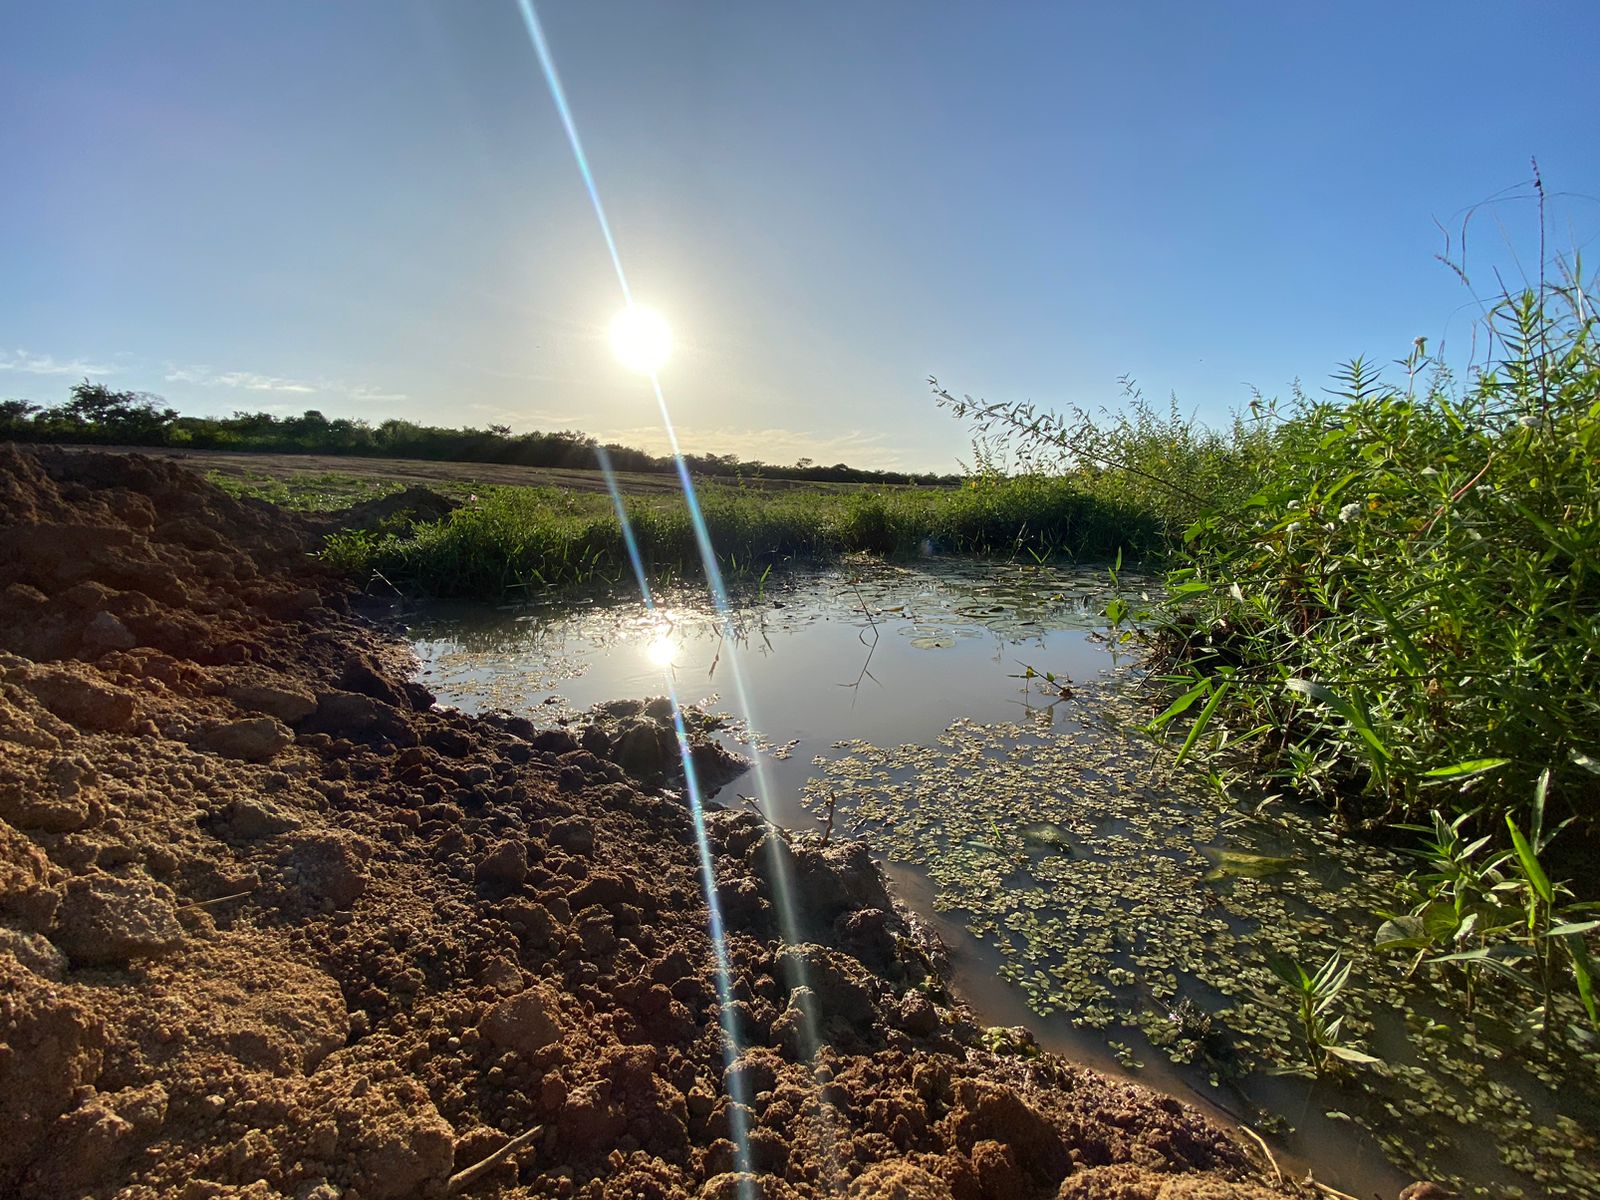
247	465
272	925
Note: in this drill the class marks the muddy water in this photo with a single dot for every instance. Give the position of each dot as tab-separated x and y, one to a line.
1066	866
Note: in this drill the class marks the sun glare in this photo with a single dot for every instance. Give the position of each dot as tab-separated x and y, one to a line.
641	339
662	651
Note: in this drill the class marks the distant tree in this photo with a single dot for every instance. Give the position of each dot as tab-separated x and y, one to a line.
96	413
135	416
308	429
16	419
252	424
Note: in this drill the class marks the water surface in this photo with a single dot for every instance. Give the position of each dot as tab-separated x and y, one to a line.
1086	889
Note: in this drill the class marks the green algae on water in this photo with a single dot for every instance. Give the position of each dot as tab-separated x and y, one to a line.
1124	896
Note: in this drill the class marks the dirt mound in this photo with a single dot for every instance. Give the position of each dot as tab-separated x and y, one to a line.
273	926
414	506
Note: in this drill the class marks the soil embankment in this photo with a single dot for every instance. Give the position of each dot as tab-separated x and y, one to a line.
272	925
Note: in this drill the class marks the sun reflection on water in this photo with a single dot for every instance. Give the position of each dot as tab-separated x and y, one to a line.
661	650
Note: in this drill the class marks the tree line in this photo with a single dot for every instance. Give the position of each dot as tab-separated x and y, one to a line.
96	414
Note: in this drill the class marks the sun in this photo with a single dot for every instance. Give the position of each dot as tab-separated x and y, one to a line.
641	339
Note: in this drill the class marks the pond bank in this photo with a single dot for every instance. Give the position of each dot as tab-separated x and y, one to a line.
275	925
1112	902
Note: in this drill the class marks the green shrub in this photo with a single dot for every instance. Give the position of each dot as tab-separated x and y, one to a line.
1409	602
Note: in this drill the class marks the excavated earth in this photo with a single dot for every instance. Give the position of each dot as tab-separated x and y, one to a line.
273	925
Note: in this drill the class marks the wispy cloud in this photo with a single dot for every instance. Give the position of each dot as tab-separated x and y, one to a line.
252	381
26	362
44	364
363	394
248	381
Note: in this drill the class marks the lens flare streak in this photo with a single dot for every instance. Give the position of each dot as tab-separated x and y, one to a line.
782	885
738	1126
558	94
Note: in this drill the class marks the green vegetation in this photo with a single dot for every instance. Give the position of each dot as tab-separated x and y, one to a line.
1388	598
1408	601
305	492
1168	467
1477	909
530	540
1317	998
95	414
1390	593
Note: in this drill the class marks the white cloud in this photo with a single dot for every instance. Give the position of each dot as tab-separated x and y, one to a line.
361	393
44	364
205	376
251	381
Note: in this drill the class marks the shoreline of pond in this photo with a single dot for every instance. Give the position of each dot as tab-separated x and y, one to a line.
904	629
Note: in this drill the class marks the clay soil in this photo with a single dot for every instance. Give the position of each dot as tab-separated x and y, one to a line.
274	925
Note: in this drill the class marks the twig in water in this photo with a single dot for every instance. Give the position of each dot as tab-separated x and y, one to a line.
467	1176
377	574
1265	1149
863	601
866	665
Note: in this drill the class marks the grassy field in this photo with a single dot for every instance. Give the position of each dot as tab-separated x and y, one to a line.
249	470
548	530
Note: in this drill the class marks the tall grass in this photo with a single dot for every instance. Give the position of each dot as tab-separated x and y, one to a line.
1137	457
1388	597
1406	611
532	540
1389	593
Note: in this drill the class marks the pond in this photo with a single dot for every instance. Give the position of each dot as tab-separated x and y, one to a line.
1117	907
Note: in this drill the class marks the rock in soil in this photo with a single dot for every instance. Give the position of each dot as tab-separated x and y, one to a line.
272	926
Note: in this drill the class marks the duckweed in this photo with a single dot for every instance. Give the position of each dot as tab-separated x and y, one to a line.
1120	892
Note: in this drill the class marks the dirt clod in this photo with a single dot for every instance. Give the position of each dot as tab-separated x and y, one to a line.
255	739
106	921
526	1023
83	701
288	705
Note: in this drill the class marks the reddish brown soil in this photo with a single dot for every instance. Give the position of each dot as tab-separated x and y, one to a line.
272	925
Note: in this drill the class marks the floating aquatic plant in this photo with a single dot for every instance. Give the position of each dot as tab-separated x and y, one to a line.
1126	930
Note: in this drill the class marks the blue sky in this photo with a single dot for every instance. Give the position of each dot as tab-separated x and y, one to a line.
370	208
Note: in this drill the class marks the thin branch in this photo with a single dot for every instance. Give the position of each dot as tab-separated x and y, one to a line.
1265	1149
465	1178
214	900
